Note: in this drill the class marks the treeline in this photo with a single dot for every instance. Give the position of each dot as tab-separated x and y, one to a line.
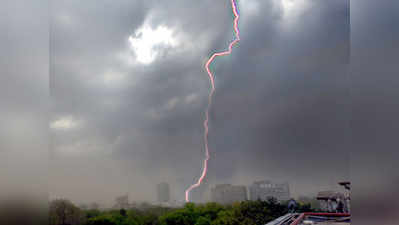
63	212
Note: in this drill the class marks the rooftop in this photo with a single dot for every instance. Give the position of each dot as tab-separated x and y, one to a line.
323	219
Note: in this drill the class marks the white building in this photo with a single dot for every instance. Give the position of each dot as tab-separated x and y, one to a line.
265	189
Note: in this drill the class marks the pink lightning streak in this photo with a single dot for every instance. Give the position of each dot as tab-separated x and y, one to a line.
212	80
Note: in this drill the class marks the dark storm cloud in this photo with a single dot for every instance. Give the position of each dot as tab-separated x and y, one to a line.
290	103
285	112
374	94
156	102
281	97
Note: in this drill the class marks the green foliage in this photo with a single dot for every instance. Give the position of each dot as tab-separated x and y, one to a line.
101	220
203	220
63	211
248	213
225	217
91	213
252	212
112	219
241	213
211	210
185	216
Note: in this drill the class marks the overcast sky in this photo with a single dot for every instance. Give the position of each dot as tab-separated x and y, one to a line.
129	90
309	96
24	99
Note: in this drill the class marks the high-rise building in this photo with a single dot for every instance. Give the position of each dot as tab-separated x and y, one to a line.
265	189
163	192
227	193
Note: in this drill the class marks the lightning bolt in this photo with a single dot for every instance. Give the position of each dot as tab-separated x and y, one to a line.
212	80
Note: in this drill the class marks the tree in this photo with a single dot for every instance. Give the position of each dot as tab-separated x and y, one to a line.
225	217
122	212
185	216
64	212
112	218
203	220
252	212
101	220
91	213
211	210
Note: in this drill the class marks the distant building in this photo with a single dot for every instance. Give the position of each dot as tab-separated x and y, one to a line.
265	189
227	193
121	202
163	192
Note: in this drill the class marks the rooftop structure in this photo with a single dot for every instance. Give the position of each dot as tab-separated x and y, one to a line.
312	218
333	217
322	219
332	201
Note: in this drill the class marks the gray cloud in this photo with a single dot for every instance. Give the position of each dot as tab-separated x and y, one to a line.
281	97
374	107
308	96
